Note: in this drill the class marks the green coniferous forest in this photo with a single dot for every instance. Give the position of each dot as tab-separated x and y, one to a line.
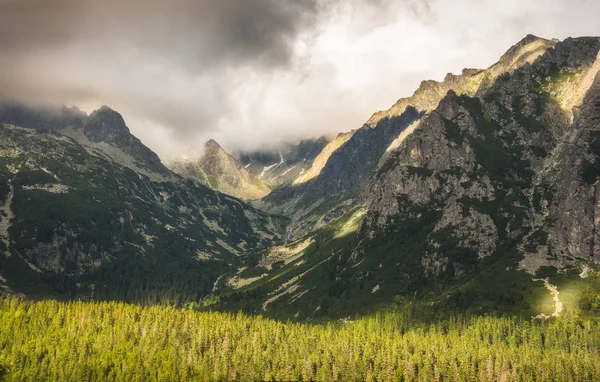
87	341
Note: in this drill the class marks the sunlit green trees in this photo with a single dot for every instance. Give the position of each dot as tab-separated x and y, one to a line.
82	341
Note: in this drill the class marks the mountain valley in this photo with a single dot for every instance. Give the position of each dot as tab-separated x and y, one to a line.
487	172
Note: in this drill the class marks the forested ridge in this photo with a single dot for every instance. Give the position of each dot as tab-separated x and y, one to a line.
87	341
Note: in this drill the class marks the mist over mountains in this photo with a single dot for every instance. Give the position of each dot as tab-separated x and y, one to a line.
258	75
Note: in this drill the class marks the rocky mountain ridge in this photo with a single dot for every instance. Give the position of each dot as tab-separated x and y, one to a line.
475	193
104	130
343	172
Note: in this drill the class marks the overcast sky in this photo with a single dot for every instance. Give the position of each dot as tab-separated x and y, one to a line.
255	73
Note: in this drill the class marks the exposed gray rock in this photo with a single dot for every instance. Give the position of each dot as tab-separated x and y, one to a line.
506	167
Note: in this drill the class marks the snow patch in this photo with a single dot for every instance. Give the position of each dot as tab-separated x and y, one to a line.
267	168
275	165
288	170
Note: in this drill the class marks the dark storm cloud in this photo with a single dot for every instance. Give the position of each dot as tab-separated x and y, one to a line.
200	33
168	62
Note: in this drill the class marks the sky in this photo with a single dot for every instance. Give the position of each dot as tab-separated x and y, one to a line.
254	74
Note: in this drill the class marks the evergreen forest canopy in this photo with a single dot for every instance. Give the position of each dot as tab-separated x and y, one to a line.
88	341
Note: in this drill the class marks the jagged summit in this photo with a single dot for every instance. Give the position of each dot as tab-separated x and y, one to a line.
528	40
104	129
105	124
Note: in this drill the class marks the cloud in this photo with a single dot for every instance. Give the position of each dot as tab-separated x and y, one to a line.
256	73
198	33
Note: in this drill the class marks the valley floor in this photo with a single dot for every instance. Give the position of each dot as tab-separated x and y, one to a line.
83	341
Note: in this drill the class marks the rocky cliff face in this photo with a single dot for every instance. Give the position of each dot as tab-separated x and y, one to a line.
510	169
220	171
571	178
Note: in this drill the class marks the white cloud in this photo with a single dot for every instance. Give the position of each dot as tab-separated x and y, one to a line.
359	56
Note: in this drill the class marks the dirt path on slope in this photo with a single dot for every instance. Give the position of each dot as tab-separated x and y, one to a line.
558	305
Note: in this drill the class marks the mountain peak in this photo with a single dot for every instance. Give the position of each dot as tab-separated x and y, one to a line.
528	39
211	144
106	125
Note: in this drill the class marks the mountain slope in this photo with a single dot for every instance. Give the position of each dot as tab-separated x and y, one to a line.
347	169
321	160
76	222
496	162
220	171
470	207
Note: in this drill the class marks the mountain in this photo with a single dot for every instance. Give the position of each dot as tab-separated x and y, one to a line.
514	163
472	193
345	167
284	166
476	194
220	171
104	130
87	210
